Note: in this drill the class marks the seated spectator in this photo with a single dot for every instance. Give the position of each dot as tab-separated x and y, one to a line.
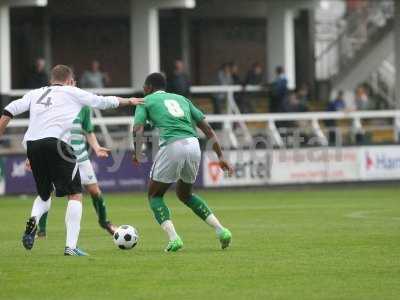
338	103
362	103
278	90
243	103
179	82
94	78
293	104
39	77
236	80
235	74
303	94
255	75
361	98
224	77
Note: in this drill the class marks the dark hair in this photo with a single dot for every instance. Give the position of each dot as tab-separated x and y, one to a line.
61	73
279	70
156	81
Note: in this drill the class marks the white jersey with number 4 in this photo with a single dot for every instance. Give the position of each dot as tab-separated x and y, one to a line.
53	109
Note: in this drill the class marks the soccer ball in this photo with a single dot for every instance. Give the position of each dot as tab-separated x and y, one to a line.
126	237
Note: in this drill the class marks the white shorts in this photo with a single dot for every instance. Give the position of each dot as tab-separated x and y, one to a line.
178	160
87	173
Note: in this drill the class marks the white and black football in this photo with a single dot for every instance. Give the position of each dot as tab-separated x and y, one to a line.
126	237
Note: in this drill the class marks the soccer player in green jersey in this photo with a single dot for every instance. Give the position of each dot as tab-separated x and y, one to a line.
82	130
178	159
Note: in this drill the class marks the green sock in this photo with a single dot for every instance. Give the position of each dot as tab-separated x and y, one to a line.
199	207
160	210
100	206
42	223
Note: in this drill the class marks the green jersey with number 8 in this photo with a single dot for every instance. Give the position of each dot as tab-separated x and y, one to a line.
174	116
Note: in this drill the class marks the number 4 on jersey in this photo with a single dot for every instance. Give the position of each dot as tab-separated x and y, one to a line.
174	108
46	103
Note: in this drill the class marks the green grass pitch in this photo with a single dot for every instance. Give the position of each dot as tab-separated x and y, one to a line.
336	243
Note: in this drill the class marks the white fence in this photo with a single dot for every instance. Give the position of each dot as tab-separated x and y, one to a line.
231	107
234	116
270	119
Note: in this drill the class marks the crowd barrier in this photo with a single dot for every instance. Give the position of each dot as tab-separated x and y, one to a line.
228	100
252	168
315	120
234	116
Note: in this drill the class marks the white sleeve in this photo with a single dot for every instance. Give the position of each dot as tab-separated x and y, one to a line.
94	101
19	106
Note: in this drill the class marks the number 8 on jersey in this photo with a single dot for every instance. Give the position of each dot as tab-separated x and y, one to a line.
174	108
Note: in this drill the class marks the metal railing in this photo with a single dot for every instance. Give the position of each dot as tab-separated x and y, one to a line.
271	119
231	108
234	116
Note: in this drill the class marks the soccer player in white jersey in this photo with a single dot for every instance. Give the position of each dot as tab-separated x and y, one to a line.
52	111
83	131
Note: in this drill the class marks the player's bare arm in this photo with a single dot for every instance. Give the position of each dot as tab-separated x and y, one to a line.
28	165
4	120
138	131
100	151
14	108
210	135
130	101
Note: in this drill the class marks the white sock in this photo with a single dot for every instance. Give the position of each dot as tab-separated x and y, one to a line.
73	217
40	207
169	228
213	222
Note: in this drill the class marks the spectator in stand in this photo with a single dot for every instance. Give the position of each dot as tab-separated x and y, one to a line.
254	75
278	90
94	78
362	103
337	104
235	74
39	77
361	98
243	103
304	94
293	104
179	82
224	77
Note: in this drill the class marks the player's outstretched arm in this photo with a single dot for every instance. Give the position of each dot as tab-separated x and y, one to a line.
4	120
138	131
210	134
103	102
14	108
94	143
130	101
